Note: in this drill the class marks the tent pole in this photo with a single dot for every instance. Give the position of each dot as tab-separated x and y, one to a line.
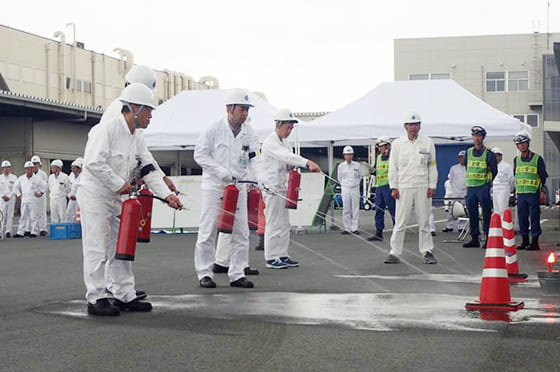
330	155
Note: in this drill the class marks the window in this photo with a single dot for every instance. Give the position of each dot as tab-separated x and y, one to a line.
495	81
518	80
418	77
78	85
440	76
68	83
530	119
520	117
430	76
87	87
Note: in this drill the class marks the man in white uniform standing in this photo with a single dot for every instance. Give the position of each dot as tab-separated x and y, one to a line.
31	188
349	177
7	201
277	156
413	179
36	160
457	178
73	178
59	187
114	155
225	151
503	184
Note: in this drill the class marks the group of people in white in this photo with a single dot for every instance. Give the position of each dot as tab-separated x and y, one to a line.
32	188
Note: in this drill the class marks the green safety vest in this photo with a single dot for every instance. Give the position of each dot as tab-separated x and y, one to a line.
527	180
477	169
381	171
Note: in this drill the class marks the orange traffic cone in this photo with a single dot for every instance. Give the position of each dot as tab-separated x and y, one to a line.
511	254
494	288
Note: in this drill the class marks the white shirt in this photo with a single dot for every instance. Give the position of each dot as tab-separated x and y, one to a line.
222	156
73	179
28	186
505	180
59	186
112	156
276	155
413	163
349	174
458	179
7	184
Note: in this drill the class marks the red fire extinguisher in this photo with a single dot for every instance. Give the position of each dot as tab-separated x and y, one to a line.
253	199
292	194
146	199
229	205
130	226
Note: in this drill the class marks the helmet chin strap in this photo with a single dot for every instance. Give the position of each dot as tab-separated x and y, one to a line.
136	122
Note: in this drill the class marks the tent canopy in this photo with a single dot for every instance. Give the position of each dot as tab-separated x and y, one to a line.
448	112
178	122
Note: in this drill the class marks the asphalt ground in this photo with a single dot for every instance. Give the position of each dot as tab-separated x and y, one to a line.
342	310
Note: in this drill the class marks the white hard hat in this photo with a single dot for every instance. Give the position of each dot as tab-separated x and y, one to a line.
462	153
347	150
497	150
141	74
411	118
77	163
56	163
138	94
383	140
238	96
35	159
6	163
521	137
28	164
285	115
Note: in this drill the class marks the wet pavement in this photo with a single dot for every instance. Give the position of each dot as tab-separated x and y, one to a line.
343	309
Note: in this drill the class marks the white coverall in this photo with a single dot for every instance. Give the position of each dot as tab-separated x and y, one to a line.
111	157
43	208
502	186
412	170
349	177
7	207
276	155
30	204
223	156
59	186
72	206
457	177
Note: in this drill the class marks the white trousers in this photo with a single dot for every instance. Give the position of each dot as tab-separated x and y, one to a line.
277	231
58	210
350	208
100	229
223	250
205	249
71	211
43	213
7	208
29	220
417	199
500	200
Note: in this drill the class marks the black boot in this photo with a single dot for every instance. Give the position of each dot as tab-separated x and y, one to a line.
534	244
377	237
474	243
260	246
525	243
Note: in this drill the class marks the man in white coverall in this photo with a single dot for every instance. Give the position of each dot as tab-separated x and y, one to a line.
457	178
7	200
59	187
36	160
413	179
349	177
31	188
73	178
276	155
113	157
503	184
225	151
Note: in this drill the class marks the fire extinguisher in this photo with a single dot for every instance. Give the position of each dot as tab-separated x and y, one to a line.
229	205
129	228
292	194
145	197
253	199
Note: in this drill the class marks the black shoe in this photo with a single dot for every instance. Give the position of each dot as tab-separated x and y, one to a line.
43	233
32	235
260	246
524	243
102	307
249	271
242	283
219	269
140	295
18	236
433	233
345	232
447	229
534	246
377	237
429	258
8	235
474	243
134	305
207	282
27	233
356	232
392	260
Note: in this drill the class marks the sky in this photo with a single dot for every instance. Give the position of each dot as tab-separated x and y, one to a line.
306	55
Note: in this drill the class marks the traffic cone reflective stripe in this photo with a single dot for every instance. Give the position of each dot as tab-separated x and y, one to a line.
78	217
494	287
509	245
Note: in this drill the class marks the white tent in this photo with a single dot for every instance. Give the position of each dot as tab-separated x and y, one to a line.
448	112
177	123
